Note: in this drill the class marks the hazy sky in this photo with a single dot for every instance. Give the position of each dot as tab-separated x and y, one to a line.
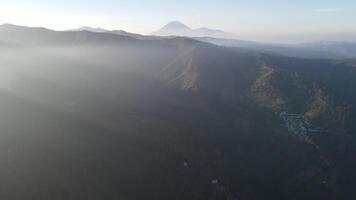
254	19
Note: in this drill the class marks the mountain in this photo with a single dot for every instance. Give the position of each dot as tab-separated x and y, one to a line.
91	29
116	32
334	50
343	48
175	26
179	29
20	35
320	49
135	35
88	115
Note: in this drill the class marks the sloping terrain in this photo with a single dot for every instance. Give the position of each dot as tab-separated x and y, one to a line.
102	116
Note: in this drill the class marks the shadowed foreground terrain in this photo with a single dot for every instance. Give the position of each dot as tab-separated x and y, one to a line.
101	116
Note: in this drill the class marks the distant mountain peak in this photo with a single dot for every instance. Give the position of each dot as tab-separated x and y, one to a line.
175	25
177	28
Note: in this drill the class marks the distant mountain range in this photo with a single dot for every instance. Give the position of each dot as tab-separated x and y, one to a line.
318	49
116	32
347	49
326	49
91	29
174	28
177	28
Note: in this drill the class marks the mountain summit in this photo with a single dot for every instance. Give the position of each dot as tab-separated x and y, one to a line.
179	29
175	25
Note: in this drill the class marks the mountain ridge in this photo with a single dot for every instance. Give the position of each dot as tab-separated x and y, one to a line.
91	29
325	49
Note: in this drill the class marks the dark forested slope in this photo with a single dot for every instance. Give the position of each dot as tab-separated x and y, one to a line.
102	116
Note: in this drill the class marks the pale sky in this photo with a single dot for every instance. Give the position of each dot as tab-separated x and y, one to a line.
269	20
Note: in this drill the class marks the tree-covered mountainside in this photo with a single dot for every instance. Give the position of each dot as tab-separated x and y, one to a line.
102	116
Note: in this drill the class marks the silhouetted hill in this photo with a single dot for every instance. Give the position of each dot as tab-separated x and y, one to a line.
41	36
103	116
